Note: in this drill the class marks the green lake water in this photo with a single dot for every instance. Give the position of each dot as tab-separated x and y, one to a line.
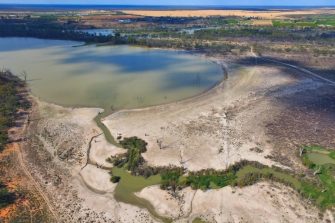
320	158
107	76
129	185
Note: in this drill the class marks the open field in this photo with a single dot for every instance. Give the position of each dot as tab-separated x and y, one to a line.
272	14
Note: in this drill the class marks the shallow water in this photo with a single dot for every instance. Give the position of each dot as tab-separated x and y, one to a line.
109	76
320	158
129	185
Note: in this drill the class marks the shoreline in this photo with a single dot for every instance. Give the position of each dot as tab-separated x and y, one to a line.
199	98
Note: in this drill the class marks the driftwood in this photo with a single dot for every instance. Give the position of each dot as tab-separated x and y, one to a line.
302	150
318	171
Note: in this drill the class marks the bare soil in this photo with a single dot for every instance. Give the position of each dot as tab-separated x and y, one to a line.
261	112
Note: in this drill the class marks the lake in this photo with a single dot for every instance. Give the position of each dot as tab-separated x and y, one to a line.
115	77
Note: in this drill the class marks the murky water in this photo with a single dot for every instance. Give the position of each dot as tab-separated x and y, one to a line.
320	158
108	76
129	185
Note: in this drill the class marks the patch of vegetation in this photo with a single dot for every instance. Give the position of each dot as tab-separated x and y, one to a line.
322	192
198	220
47	28
320	189
311	23
332	155
6	197
210	179
10	102
115	179
134	142
133	160
171	178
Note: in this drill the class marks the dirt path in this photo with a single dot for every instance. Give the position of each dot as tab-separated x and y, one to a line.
34	182
19	139
304	70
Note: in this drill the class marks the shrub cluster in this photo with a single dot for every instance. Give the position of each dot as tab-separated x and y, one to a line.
10	102
6	197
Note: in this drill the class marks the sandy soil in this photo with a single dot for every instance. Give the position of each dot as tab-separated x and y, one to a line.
214	130
101	150
263	202
245	13
57	144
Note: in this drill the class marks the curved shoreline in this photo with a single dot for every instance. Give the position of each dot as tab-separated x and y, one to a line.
199	97
109	137
184	100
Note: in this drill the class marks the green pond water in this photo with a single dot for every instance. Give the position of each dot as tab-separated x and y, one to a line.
107	76
320	158
129	185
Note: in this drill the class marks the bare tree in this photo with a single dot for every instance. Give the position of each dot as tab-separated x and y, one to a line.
318	171
302	149
160	143
24	76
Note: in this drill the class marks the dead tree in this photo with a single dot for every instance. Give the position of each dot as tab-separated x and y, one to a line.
318	171
24	76
160	143
302	150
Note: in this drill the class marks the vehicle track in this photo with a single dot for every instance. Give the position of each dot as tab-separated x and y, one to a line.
302	69
34	182
20	134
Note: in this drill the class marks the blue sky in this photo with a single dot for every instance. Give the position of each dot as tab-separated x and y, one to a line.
179	2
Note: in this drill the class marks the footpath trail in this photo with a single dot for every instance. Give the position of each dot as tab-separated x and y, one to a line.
34	182
302	69
19	136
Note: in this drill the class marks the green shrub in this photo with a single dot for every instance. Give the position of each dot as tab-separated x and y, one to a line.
6	197
10	102
115	179
134	142
171	178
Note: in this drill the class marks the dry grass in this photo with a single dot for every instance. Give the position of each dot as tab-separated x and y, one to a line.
240	13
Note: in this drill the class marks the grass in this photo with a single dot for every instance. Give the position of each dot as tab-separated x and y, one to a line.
268	172
198	220
323	192
320	190
212	180
303	23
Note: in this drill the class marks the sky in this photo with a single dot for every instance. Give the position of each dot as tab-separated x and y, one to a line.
179	2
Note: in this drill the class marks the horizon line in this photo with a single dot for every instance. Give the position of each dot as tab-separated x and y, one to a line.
162	5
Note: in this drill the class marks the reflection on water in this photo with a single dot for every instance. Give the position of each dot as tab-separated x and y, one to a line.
110	76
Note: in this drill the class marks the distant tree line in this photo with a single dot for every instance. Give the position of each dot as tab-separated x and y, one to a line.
51	30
